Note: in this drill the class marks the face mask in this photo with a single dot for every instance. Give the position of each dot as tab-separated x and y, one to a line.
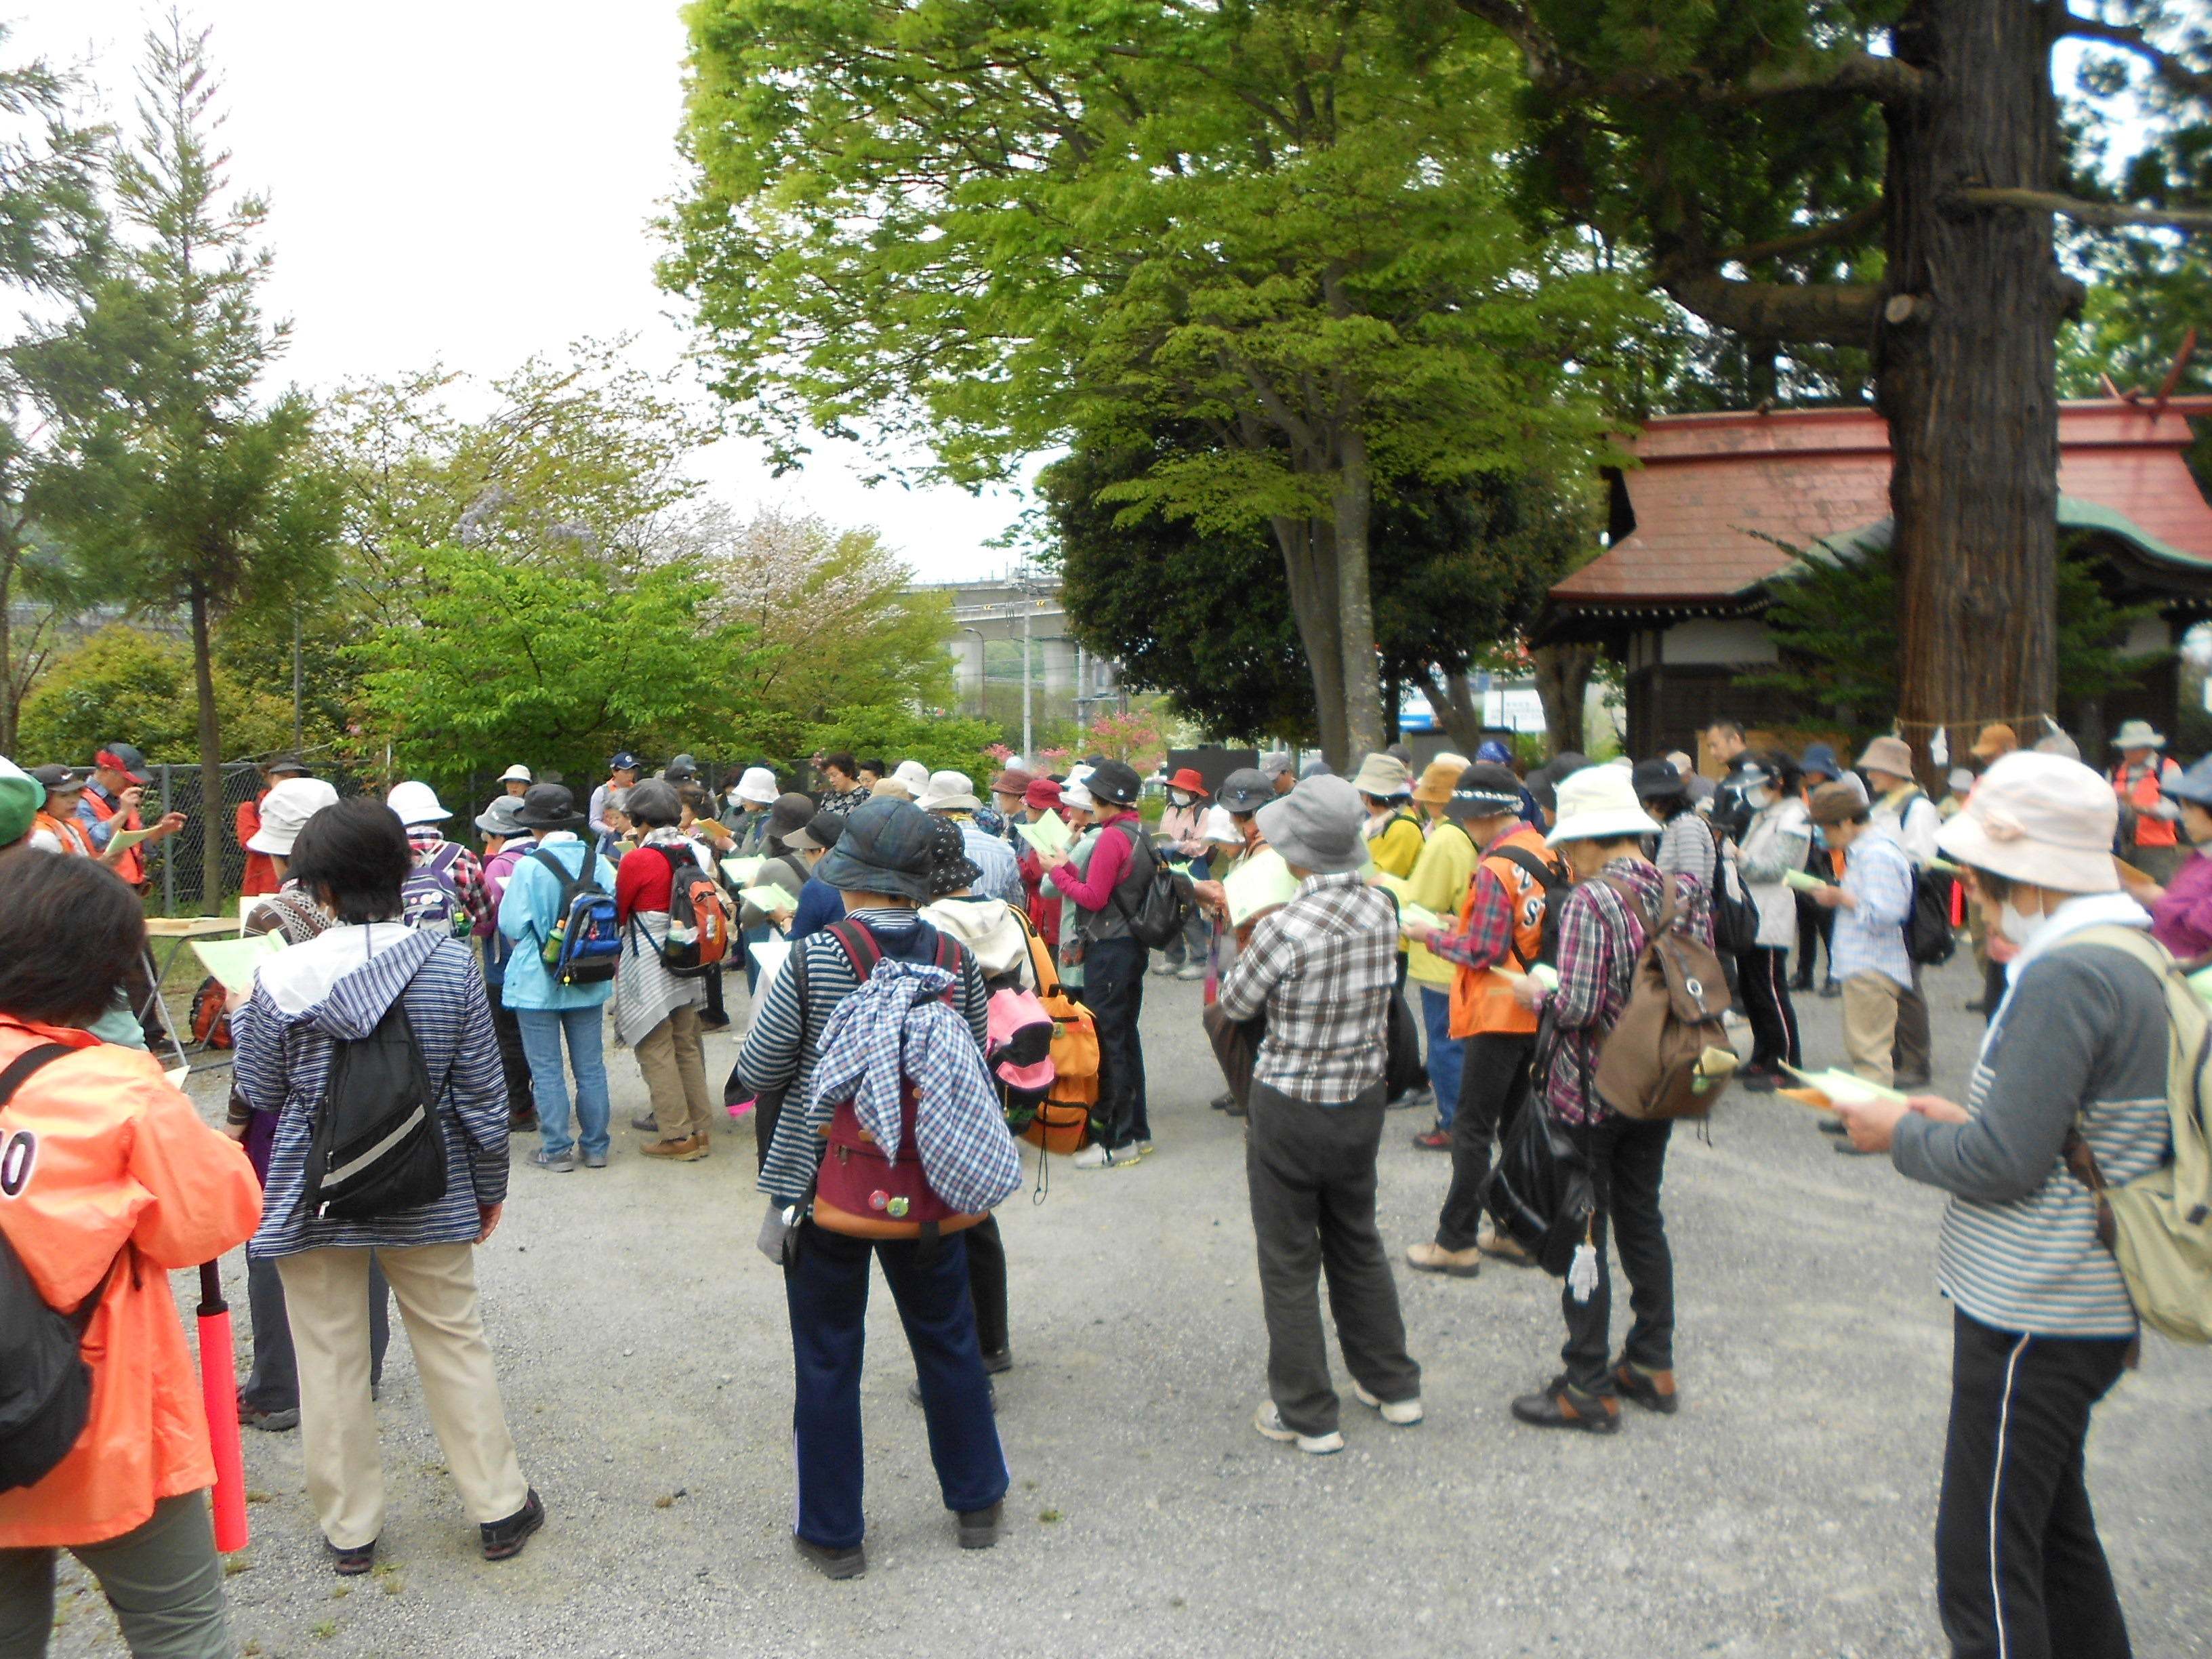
1178	798
1764	797
2019	926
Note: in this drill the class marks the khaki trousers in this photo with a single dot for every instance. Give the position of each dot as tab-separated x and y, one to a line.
327	1293
675	1068
1870	1003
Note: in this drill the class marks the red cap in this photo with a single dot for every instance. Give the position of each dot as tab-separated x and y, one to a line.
1012	781
109	758
1042	793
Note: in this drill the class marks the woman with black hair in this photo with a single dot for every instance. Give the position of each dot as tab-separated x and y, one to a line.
110	1181
337	988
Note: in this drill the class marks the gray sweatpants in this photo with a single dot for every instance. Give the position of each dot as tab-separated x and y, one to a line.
163	1579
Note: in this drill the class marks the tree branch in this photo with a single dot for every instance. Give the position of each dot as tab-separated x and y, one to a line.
2167	66
2088	213
1840	313
1836	230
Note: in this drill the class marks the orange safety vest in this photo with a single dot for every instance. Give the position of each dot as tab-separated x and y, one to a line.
1484	1002
131	867
2143	794
67	831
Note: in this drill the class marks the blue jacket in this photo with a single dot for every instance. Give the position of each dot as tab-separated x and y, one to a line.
526	914
819	904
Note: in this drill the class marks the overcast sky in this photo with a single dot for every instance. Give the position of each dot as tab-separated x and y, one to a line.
473	183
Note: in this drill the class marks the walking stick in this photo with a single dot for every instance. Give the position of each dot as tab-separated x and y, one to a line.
219	1392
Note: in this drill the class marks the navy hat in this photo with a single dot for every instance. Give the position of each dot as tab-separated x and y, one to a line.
622	761
885	849
1116	783
1484	790
1245	790
1819	761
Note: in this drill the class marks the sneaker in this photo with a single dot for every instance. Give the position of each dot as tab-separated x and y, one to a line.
1097	1157
1144	1149
645	1124
1560	1405
1503	1248
1221	1101
1423	1096
979	1529
851	1563
1438	1139
505	1538
1830	988
688	1149
1430	1258
253	1417
1269	1422
1403	1413
1163	969
524	1122
1756	1080
1193	971
1653	1390
352	1562
595	1160
557	1162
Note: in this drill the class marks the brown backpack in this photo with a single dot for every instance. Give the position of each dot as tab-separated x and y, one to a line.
1648	1066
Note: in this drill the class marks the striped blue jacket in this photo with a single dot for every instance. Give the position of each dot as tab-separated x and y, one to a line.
336	987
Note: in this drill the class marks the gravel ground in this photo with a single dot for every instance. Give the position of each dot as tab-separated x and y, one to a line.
1787	1510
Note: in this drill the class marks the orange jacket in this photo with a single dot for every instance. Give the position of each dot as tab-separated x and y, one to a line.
260	868
116	1157
1484	1002
131	867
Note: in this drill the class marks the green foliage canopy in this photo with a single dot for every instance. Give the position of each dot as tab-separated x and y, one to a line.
126	686
894	733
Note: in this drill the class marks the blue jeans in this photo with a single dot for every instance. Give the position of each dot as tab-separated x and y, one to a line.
549	1078
1444	1055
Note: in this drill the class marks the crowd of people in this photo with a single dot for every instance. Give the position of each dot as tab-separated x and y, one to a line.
897	928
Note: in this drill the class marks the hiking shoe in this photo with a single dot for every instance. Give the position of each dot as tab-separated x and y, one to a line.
557	1162
1430	1258
505	1538
524	1122
595	1160
1269	1422
1505	1248
1653	1390
253	1417
1560	1405
1438	1139
998	1364
1403	1413
1097	1157
1221	1101
1757	1080
1193	972
1830	988
688	1150
851	1563
1423	1096
1163	969
645	1124
979	1529
351	1564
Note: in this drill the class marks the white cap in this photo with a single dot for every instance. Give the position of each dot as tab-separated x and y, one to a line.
1599	803
913	774
284	809
415	803
758	787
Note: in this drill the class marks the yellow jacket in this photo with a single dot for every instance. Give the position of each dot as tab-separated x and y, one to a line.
1440	875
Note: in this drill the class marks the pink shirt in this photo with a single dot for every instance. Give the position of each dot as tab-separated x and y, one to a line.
2182	920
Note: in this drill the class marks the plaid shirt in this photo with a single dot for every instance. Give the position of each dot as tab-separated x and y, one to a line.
1489	937
466	871
1322	966
1599	943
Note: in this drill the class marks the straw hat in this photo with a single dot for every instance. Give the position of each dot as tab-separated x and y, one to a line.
1439	778
1599	803
2041	819
1888	753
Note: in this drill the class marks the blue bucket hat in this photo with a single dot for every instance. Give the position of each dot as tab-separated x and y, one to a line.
887	847
2194	786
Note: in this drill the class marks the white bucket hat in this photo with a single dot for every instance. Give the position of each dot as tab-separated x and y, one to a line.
1220	827
2041	819
913	774
414	803
1384	777
284	809
1599	803
517	773
949	792
2137	735
758	787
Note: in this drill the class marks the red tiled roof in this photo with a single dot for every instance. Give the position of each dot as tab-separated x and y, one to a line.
1712	488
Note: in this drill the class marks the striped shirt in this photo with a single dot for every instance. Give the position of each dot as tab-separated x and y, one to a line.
284	1061
2082	1039
1323	968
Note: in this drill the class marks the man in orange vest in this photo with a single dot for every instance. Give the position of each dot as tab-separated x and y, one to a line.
2147	816
1498	938
109	803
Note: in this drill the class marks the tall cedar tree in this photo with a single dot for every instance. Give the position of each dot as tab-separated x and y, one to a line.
1738	143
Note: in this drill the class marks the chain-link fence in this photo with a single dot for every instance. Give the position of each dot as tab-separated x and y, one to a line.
173	865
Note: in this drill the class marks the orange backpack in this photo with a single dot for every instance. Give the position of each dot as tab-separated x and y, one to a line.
1062	1122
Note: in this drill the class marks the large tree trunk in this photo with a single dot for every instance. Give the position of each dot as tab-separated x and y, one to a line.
10	696
1563	674
1309	561
1454	707
1353	501
1964	366
211	802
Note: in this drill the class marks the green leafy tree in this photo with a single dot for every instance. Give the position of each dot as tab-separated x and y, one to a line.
1001	228
943	742
123	683
505	659
174	491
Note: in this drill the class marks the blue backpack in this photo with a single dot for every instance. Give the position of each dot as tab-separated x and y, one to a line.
585	944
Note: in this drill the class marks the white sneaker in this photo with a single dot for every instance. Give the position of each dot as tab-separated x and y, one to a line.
1144	1149
1269	1422
1403	1413
1095	1157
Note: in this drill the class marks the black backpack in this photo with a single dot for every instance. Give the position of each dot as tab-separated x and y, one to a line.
1167	902
45	1387
1735	912
1928	939
376	1148
1557	884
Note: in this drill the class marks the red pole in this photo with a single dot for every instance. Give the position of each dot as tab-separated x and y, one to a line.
219	1393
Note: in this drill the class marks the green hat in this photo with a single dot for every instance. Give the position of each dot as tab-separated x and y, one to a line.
22	795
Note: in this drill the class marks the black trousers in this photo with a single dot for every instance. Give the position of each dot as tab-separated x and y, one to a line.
1114	990
1311	1172
987	1283
1816	926
1912	1052
1493	1087
2019	1569
1763	973
1627	1159
512	1063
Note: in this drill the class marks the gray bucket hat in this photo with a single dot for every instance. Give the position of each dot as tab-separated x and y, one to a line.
502	817
885	849
1316	827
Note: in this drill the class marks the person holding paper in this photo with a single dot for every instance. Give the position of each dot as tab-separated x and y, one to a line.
656	1012
1438	883
1040	800
950	795
109	806
819	902
1775	843
2042	1325
1179	836
1868	948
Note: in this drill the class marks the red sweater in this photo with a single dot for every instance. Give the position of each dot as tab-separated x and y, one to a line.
643	882
1109	864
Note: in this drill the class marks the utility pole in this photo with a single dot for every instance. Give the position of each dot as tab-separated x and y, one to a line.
1029	736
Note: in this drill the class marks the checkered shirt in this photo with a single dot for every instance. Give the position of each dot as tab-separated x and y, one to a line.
1322	966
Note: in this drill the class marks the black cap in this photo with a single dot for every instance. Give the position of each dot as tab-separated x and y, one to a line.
288	763
821	831
1484	790
1112	780
1654	780
549	807
1245	790
884	849
62	777
792	812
